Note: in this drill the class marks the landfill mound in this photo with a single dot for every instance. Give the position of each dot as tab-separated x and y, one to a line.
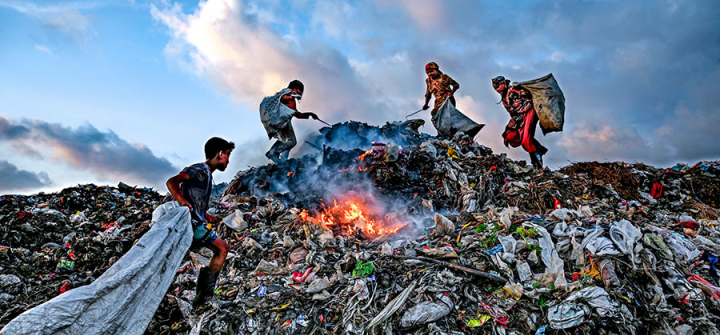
434	236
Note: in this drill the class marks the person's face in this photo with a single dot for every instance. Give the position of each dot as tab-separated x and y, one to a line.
223	159
296	91
432	73
500	87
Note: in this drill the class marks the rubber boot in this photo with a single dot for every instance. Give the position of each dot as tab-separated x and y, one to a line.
538	160
534	159
205	286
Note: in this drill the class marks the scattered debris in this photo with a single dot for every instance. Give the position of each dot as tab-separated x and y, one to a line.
427	236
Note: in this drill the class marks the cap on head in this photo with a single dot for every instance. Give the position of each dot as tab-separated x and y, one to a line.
215	145
431	66
498	80
296	84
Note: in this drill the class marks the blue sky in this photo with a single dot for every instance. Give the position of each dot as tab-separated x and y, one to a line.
108	91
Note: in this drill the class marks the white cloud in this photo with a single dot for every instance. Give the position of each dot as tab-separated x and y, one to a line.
42	48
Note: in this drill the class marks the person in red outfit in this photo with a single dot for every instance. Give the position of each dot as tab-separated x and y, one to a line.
520	130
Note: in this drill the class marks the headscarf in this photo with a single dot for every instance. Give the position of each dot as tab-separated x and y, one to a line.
498	80
432	65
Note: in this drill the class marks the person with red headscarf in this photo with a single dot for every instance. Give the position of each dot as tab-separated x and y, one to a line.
520	130
439	85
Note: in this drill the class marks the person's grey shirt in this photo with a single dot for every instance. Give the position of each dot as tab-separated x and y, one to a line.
196	190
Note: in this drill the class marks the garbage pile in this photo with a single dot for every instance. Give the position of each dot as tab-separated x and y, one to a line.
434	236
51	243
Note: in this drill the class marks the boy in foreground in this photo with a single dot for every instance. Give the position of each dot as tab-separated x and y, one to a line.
191	188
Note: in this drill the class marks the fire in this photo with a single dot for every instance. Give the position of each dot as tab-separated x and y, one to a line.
362	157
349	217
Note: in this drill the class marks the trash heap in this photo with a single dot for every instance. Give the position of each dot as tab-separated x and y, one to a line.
51	243
434	236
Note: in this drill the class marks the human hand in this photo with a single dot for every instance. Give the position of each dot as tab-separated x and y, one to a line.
185	203
426	107
313	116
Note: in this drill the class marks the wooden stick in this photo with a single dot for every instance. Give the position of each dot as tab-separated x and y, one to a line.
456	267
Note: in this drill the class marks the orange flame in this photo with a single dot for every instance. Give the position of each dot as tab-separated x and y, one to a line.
362	157
350	216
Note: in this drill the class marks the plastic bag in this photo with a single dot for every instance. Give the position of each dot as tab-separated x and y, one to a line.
428	148
427	311
443	225
566	315
448	121
318	285
122	300
625	235
598	298
236	221
549	102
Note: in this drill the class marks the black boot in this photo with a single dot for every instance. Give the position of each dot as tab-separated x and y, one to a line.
534	159
539	160
205	286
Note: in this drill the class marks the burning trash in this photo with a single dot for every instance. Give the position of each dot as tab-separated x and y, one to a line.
352	217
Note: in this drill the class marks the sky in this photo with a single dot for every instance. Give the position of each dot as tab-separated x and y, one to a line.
129	90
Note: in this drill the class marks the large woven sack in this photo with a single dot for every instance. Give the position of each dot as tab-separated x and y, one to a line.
549	102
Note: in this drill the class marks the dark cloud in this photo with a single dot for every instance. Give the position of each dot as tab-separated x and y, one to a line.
105	154
12	179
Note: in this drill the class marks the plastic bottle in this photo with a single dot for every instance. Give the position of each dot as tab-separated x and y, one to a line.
607	272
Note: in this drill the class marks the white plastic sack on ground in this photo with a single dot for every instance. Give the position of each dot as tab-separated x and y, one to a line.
549	102
275	115
236	221
428	148
122	300
448	121
597	298
602	246
625	235
555	267
427	311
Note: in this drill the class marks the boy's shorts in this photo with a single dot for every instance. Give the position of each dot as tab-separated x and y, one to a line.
202	236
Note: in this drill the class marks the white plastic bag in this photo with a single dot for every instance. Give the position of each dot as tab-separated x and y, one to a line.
236	221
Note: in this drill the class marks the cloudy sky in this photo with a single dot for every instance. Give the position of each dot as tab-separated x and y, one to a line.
117	90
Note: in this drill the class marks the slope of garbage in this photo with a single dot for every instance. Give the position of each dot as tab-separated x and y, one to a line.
430	236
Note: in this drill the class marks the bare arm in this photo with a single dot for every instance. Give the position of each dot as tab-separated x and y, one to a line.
454	85
427	98
173	185
301	115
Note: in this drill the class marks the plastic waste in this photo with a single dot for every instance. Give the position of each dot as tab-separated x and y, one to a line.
236	221
426	311
608	274
566	315
598	298
124	298
443	226
318	285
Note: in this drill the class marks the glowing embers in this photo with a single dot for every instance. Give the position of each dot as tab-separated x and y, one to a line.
352	217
